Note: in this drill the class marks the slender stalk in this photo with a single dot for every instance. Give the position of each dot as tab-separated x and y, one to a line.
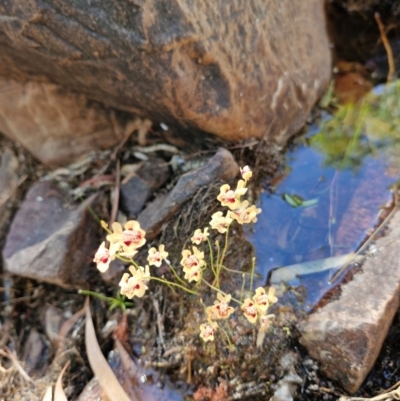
176	274
239	272
211	256
221	292
227	337
242	289
253	263
216	280
174	284
96	295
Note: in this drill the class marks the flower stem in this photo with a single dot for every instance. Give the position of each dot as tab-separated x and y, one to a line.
242	289
175	284
253	263
96	295
221	292
211	256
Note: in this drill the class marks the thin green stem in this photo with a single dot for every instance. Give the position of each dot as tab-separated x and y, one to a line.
239	272
216	280
175	284
227	337
253	263
242	289
225	248
176	274
211	256
221	292
99	296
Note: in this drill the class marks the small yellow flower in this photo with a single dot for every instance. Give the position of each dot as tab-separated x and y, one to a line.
132	237
193	275
246	173
261	300
104	256
155	257
189	261
200	236
220	309
219	222
231	198
264	300
250	310
135	285
207	330
244	214
265	322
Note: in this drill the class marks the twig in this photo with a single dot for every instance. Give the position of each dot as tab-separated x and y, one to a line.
388	48
159	323
7	353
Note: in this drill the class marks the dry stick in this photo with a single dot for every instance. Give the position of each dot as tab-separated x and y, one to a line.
388	48
368	241
159	323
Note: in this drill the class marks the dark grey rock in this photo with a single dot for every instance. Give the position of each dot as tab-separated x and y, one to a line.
51	241
220	166
139	188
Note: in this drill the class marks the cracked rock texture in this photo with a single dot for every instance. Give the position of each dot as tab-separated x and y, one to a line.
236	68
346	335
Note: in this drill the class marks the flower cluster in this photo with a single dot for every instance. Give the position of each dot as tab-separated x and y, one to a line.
256	308
238	210
123	242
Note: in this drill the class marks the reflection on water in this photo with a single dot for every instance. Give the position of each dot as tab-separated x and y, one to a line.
344	205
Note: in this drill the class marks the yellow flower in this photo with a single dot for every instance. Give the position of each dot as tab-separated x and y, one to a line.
231	198
261	300
220	309
244	214
189	261
265	322
132	237
135	285
250	310
207	330
219	222
200	236
104	256
155	257
246	172
264	300
193	275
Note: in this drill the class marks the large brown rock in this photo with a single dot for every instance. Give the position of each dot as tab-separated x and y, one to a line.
55	125
236	69
347	334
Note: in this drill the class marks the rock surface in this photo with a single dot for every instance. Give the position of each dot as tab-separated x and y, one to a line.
220	166
138	189
55	125
346	335
236	69
49	240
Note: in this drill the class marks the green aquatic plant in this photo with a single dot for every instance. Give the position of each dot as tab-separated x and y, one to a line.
359	129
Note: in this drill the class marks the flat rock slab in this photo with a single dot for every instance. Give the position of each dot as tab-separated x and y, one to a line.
220	166
141	186
236	69
49	240
346	335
